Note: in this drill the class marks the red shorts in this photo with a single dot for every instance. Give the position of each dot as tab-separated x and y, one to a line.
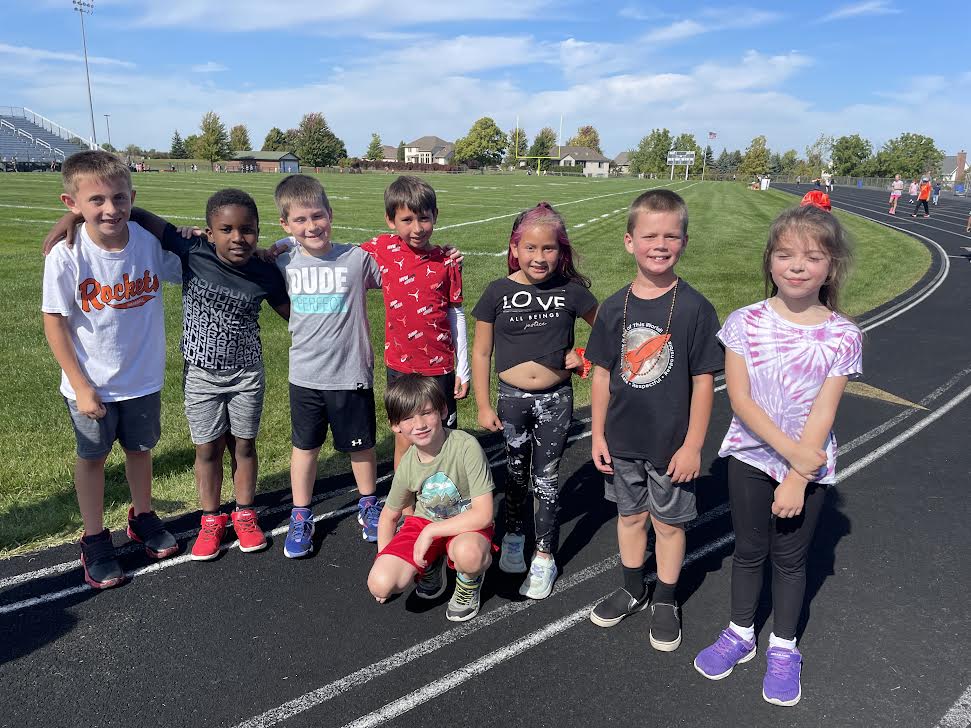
403	543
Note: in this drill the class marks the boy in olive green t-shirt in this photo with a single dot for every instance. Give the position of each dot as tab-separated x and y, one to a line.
445	475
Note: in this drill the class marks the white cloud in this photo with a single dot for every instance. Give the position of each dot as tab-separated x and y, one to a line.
755	71
869	7
209	67
464	54
676	31
709	21
23	53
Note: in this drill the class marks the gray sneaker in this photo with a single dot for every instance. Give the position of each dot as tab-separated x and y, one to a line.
539	583
432	584
465	600
511	559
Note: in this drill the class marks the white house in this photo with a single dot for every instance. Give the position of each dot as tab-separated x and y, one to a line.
950	166
429	150
594	164
622	163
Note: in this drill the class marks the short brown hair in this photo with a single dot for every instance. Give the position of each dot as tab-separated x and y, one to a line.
409	394
659	200
299	189
92	163
413	193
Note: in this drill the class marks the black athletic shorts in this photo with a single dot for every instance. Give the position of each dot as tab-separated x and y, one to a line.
349	412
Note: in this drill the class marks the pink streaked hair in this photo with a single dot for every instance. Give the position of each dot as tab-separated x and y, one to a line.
543	215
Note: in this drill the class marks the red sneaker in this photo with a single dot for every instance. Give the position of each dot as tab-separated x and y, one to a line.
248	531
211	533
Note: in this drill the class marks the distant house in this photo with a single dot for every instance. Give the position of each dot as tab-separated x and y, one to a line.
429	150
389	154
252	161
594	164
949	167
622	163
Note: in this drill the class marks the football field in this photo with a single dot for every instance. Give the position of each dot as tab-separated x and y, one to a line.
727	231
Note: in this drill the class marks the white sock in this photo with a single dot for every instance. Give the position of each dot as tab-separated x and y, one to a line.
746	633
779	642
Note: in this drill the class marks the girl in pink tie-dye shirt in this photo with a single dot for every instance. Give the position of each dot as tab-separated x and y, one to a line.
787	361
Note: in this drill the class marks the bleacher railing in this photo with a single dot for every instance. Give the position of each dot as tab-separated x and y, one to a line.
46	124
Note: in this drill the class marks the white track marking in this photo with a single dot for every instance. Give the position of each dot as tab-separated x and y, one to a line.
486	619
959	716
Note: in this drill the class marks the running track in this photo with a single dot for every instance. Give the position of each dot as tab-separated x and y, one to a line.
257	640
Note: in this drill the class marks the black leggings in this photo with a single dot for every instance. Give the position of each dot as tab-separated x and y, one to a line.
535	425
924	203
758	536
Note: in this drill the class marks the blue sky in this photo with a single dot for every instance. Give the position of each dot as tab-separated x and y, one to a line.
405	69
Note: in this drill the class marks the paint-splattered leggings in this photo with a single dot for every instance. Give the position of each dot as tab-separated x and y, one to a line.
535	425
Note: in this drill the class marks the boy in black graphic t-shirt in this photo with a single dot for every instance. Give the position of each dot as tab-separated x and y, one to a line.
223	286
655	353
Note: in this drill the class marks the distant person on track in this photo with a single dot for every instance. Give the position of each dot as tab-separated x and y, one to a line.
103	318
896	190
936	192
787	362
528	318
922	198
913	190
655	352
444	475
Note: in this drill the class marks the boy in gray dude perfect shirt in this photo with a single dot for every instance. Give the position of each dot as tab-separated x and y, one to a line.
331	359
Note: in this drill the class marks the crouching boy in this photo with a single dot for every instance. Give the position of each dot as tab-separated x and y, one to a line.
445	475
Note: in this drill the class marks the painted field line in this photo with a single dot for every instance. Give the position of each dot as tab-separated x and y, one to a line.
558	204
959	716
496	658
421	649
288	710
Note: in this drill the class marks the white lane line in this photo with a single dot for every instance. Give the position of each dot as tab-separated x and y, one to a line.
959	716
485	619
496	658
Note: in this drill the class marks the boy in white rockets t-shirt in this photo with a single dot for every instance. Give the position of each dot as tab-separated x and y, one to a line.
103	319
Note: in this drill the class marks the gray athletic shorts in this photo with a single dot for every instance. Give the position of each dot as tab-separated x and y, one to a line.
637	487
135	423
218	401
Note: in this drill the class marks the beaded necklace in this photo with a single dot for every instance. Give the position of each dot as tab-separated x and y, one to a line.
650	350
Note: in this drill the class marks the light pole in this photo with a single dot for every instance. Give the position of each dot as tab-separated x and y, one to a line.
108	127
82	7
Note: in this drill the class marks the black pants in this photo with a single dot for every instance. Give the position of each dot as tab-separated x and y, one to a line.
535	426
760	536
926	208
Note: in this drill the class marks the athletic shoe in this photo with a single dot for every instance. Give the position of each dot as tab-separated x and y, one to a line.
248	530
148	529
781	685
101	567
368	514
614	608
299	541
432	583
665	632
718	660
511	558
210	537
539	583
465	600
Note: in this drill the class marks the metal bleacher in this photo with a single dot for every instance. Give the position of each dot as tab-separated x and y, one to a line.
29	138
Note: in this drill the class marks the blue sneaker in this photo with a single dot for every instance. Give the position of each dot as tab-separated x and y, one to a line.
718	660
781	685
368	513
300	537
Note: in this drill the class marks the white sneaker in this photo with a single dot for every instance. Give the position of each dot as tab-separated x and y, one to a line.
542	574
511	558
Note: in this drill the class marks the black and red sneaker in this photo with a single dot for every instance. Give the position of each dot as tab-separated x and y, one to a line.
148	530
101	567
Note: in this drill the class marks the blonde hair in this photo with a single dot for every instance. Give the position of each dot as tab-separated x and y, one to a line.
660	200
299	189
825	230
92	163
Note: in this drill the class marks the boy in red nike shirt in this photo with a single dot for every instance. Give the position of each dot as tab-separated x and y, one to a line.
424	322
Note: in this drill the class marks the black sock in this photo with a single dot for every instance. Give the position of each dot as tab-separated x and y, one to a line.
241	507
664	593
211	513
634	580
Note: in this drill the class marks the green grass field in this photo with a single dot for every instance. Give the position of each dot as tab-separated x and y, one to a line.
728	227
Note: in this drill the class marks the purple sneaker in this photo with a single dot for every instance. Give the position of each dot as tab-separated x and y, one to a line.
718	660
781	685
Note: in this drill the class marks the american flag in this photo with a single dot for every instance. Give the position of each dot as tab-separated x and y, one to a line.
712	135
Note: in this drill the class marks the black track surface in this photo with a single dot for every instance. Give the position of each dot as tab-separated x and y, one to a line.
886	633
